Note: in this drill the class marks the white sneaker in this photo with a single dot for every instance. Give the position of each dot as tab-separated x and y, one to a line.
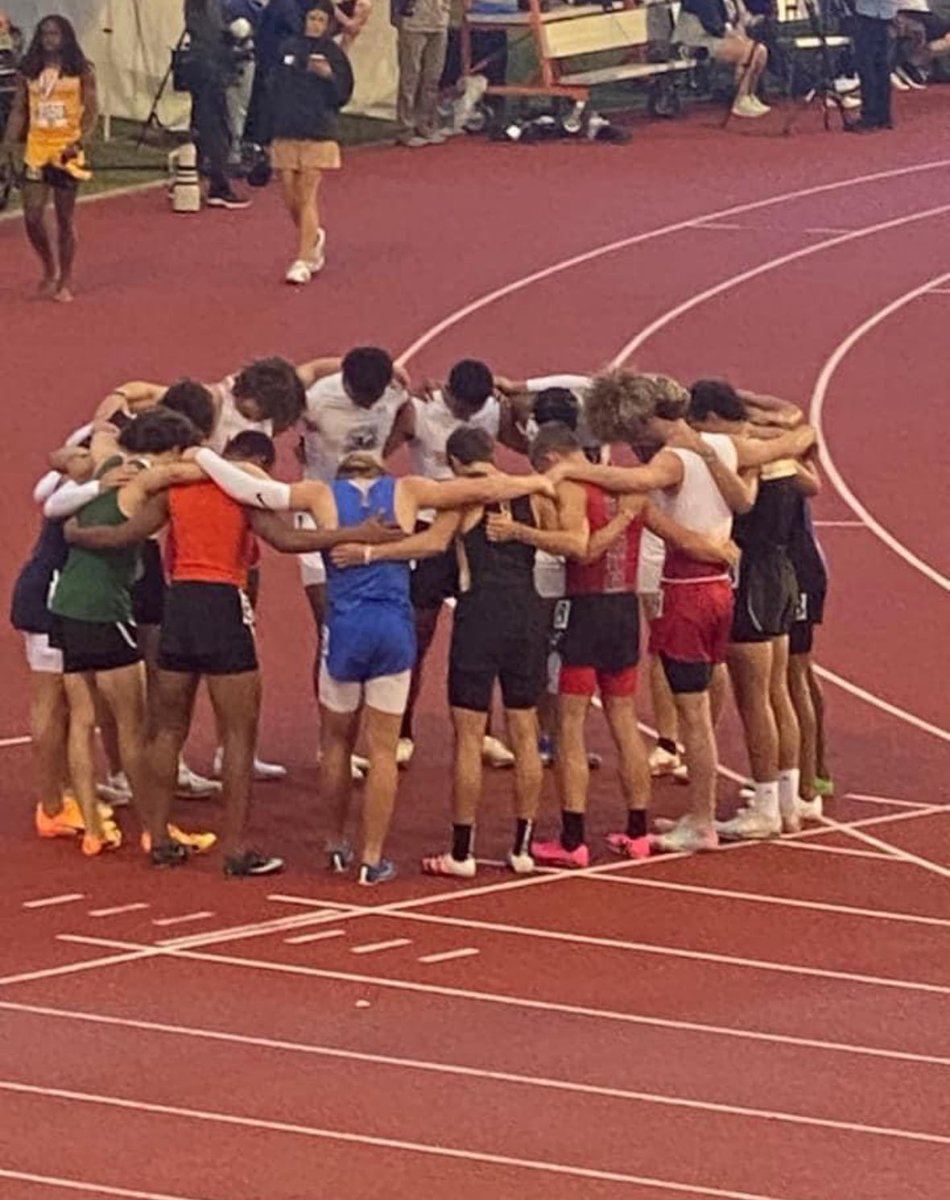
445	864
115	790
318	255
521	864
760	105
663	763
496	754
809	810
750	824
745	106
898	83
265	772
405	749
359	766
192	786
847	83
298	273
844	101
686	838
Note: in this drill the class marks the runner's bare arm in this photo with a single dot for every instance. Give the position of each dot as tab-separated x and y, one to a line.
562	529
696	545
665	470
146	522
511	422
317	368
19	118
737	489
807	478
434	540
771	410
135	397
631	506
403	430
472	490
283	537
754	452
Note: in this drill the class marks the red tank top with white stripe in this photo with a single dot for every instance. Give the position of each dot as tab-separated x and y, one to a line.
615	570
209	539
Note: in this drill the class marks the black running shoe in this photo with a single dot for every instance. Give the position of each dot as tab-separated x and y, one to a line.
252	863
168	854
226	198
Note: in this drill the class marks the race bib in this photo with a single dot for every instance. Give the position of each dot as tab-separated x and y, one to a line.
51	114
247	612
801	607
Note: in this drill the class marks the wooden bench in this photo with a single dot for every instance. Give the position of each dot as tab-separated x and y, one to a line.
569	32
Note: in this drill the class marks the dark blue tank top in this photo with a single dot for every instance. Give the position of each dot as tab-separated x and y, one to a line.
29	610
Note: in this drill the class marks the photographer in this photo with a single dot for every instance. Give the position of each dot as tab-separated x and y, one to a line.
312	83
210	70
242	18
871	33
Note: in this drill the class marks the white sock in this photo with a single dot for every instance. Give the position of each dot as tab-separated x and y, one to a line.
788	785
765	800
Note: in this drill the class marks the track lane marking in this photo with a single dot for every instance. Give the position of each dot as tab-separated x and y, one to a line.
482	1073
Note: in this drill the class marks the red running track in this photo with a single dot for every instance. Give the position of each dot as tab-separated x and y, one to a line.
765	1022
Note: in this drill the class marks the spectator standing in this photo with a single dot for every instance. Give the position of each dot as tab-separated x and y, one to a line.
871	33
242	18
312	83
422	27
210	70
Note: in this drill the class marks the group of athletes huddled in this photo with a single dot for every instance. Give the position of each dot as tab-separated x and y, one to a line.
685	509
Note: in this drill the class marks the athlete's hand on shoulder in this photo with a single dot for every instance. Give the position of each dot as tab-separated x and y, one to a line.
118	477
375	531
348	555
558	473
631	505
500	527
70	530
507	387
685	437
104	425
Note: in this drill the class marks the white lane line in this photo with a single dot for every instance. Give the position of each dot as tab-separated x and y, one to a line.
938	292
376	947
269	927
896	851
885	800
892	710
819	396
825	229
654	949
14	741
458	1070
97	1189
763	268
117	909
847	910
531	1004
576	260
50	901
448	955
363	1139
165	922
303	938
840	525
700	224
888	858
283	898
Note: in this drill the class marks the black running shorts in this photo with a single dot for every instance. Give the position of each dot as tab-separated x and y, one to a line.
499	637
766	598
602	632
148	594
207	629
434	580
94	645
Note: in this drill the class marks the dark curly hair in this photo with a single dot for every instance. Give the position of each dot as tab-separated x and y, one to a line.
194	401
273	383
158	430
71	58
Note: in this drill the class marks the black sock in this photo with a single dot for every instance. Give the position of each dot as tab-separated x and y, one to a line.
668	745
523	831
462	842
405	730
636	822
572	829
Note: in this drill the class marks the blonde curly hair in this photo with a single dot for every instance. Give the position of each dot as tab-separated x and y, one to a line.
620	404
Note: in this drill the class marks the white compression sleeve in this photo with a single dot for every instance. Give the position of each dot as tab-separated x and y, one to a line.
253	490
573	383
46	486
78	436
69	499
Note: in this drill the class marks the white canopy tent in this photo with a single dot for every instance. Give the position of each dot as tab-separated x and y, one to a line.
130	42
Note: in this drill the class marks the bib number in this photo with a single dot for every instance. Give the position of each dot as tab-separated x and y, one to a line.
51	114
801	607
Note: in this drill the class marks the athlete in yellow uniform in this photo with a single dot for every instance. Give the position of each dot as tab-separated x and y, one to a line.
54	110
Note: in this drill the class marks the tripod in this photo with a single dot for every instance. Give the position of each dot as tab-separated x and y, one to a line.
824	90
152	121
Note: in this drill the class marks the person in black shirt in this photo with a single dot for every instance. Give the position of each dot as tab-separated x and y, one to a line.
312	82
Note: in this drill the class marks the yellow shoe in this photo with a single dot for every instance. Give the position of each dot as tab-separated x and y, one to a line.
198	843
68	821
111	839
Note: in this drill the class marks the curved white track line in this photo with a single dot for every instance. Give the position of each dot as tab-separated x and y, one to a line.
772	264
885	706
566	264
817	412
